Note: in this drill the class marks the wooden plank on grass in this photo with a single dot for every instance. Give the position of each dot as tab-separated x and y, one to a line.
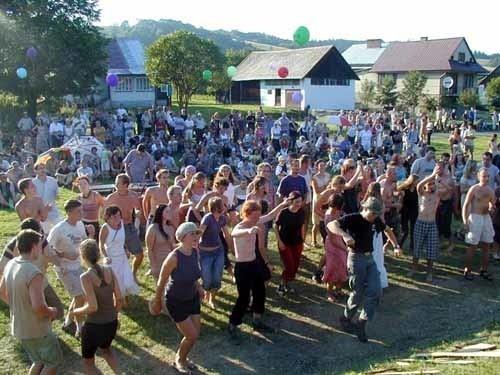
419	372
453	362
487	354
477	348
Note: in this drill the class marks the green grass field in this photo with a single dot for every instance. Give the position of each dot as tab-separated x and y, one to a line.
413	317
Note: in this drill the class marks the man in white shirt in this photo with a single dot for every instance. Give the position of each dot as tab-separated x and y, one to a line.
65	239
468	136
423	167
121	112
56	133
365	138
25	124
48	190
493	171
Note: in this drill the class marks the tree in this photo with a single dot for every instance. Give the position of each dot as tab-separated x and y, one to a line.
221	82
367	94
180	59
493	93
468	98
386	92
429	103
413	85
71	50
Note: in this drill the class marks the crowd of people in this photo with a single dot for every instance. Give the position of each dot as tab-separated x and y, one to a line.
355	193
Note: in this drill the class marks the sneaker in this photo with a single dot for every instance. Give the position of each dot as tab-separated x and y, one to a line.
289	289
260	326
360	330
70	329
281	290
233	331
346	324
317	276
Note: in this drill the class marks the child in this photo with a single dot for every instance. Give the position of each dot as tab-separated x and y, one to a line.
335	274
112	246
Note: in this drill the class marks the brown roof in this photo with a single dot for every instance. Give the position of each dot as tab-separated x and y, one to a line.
260	65
422	55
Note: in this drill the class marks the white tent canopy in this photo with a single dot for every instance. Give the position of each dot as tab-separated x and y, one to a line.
84	145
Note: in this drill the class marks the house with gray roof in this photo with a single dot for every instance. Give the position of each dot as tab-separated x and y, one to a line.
438	59
126	60
320	74
361	57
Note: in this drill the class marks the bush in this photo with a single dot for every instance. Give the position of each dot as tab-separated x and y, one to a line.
10	112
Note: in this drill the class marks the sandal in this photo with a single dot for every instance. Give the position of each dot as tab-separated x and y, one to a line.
181	369
468	276
485	275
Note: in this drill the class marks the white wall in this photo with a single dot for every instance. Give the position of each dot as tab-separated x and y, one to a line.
329	97
268	93
133	98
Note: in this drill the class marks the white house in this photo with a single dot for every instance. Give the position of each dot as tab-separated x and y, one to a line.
322	76
126	60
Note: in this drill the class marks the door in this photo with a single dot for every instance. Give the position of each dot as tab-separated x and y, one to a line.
277	97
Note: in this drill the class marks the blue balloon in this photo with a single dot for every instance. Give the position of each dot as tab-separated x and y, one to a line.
22	73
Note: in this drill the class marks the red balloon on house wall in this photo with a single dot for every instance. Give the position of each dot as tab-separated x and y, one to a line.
283	72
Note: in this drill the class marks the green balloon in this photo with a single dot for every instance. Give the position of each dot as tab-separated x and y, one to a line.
301	36
207	75
231	71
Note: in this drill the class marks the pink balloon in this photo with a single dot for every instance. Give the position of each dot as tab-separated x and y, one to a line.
283	72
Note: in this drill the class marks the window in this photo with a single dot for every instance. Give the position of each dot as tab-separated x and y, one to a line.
330	82
125	84
461	57
269	92
468	81
142	84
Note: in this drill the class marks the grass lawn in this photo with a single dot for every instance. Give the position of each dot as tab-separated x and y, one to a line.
413	317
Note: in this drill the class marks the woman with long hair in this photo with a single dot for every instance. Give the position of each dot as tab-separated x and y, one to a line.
192	195
212	255
319	182
179	275
112	246
455	141
260	194
335	274
160	238
92	204
353	175
102	304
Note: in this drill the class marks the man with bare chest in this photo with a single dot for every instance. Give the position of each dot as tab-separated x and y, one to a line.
128	202
426	236
30	205
445	208
479	201
155	195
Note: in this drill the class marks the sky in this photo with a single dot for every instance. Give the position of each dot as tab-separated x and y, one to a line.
389	20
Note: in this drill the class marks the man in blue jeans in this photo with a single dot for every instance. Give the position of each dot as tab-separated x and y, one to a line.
357	230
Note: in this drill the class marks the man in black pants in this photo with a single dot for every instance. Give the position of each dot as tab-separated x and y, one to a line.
357	230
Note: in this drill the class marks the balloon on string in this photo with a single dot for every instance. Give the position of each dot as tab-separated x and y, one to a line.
207	75
231	71
283	72
32	53
297	97
22	73
112	80
301	36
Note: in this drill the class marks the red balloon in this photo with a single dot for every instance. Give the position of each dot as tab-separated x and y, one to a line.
283	72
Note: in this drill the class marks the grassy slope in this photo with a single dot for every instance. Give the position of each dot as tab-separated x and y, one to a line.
414	316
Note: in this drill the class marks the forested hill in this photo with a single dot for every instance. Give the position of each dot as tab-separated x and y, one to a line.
147	31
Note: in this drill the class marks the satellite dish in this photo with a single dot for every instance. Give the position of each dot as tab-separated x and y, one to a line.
448	82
